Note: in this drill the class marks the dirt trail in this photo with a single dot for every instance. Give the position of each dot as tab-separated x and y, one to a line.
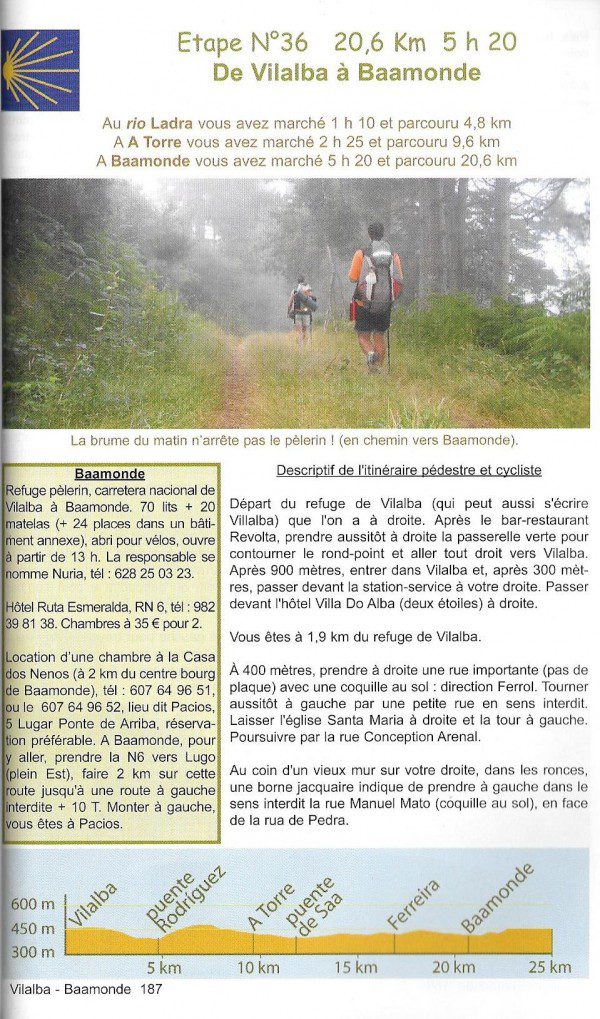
245	403
236	409
235	389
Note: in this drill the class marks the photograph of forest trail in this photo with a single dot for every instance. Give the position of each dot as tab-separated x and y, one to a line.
165	305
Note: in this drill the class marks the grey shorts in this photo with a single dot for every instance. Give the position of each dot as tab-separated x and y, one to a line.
302	319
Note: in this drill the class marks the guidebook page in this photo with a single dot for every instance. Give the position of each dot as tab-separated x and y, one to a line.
299	477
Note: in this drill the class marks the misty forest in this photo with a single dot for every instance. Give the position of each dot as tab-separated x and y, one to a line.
166	306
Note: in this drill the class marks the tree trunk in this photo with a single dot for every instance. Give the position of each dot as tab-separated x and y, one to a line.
432	257
460	257
424	246
501	284
335	305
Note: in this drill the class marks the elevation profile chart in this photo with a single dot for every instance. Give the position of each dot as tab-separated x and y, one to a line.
220	913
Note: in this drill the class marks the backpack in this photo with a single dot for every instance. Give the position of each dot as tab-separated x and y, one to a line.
375	288
303	301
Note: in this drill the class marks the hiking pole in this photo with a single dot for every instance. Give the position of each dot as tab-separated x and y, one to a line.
389	356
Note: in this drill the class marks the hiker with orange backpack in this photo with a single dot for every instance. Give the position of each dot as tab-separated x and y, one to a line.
377	273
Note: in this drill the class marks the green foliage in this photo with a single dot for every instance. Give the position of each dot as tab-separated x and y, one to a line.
443	320
437	380
548	346
77	318
416	415
575	296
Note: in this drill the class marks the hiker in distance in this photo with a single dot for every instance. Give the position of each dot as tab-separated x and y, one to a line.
377	272
301	305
